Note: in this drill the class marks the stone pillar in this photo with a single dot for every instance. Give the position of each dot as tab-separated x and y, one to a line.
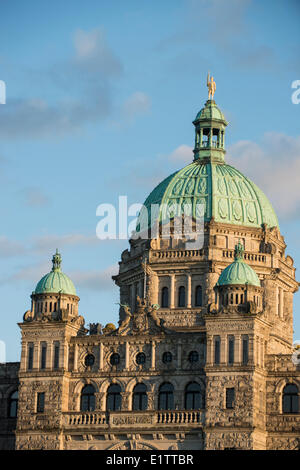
189	291
153	354
179	355
126	355
280	302
49	355
209	350
251	349
172	291
238	349
223	352
65	355
75	367
101	356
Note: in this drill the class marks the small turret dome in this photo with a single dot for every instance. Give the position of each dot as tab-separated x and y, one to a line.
210	112
238	272
55	281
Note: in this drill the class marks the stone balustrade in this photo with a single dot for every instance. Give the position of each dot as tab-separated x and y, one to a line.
175	255
94	419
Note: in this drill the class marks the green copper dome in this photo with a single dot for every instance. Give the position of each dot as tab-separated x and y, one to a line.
224	193
55	281
210	112
208	185
238	272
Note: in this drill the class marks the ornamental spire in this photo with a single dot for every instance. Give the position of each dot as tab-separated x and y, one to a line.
210	124
239	251
56	261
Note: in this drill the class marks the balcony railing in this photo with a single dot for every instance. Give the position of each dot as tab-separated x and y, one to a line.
101	419
176	255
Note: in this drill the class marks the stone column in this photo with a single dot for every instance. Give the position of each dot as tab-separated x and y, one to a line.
49	355
172	291
126	355
209	350
179	355
251	350
75	367
101	356
238	349
189	291
153	354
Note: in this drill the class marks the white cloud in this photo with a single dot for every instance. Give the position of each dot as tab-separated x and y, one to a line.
34	197
47	243
137	103
94	280
183	154
274	165
10	248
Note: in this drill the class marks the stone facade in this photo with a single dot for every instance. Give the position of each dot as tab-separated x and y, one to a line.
213	361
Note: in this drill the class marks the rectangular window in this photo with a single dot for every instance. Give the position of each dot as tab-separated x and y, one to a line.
231	350
43	356
230	398
30	356
217	350
56	356
40	406
245	350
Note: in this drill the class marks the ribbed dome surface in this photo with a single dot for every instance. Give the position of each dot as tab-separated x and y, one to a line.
238	273
226	194
55	282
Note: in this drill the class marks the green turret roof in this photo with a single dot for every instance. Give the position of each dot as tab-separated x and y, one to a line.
55	281
238	272
210	112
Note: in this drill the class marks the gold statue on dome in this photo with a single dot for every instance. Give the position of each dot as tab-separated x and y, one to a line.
211	85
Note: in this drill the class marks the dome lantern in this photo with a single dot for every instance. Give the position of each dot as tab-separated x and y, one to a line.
210	125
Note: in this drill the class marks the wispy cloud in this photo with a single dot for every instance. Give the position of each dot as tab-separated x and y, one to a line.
9	248
86	80
34	197
137	103
94	280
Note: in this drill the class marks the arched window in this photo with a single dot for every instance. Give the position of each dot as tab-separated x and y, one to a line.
140	358
13	404
140	398
193	397
114	399
167	357
181	296
290	399
166	397
193	356
198	296
87	402
115	359
165	297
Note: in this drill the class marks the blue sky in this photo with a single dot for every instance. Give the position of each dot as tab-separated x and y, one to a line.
101	96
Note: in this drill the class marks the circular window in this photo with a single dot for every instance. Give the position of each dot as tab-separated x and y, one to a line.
115	359
167	357
140	358
89	360
193	356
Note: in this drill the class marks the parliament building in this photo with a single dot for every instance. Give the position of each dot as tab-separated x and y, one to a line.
203	355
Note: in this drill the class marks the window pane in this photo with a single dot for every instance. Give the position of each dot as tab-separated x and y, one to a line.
217	351
245	351
229	398
231	351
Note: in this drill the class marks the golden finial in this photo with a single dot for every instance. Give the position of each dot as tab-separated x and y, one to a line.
211	85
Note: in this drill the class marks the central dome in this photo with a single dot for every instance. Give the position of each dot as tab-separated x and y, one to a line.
208	185
226	194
